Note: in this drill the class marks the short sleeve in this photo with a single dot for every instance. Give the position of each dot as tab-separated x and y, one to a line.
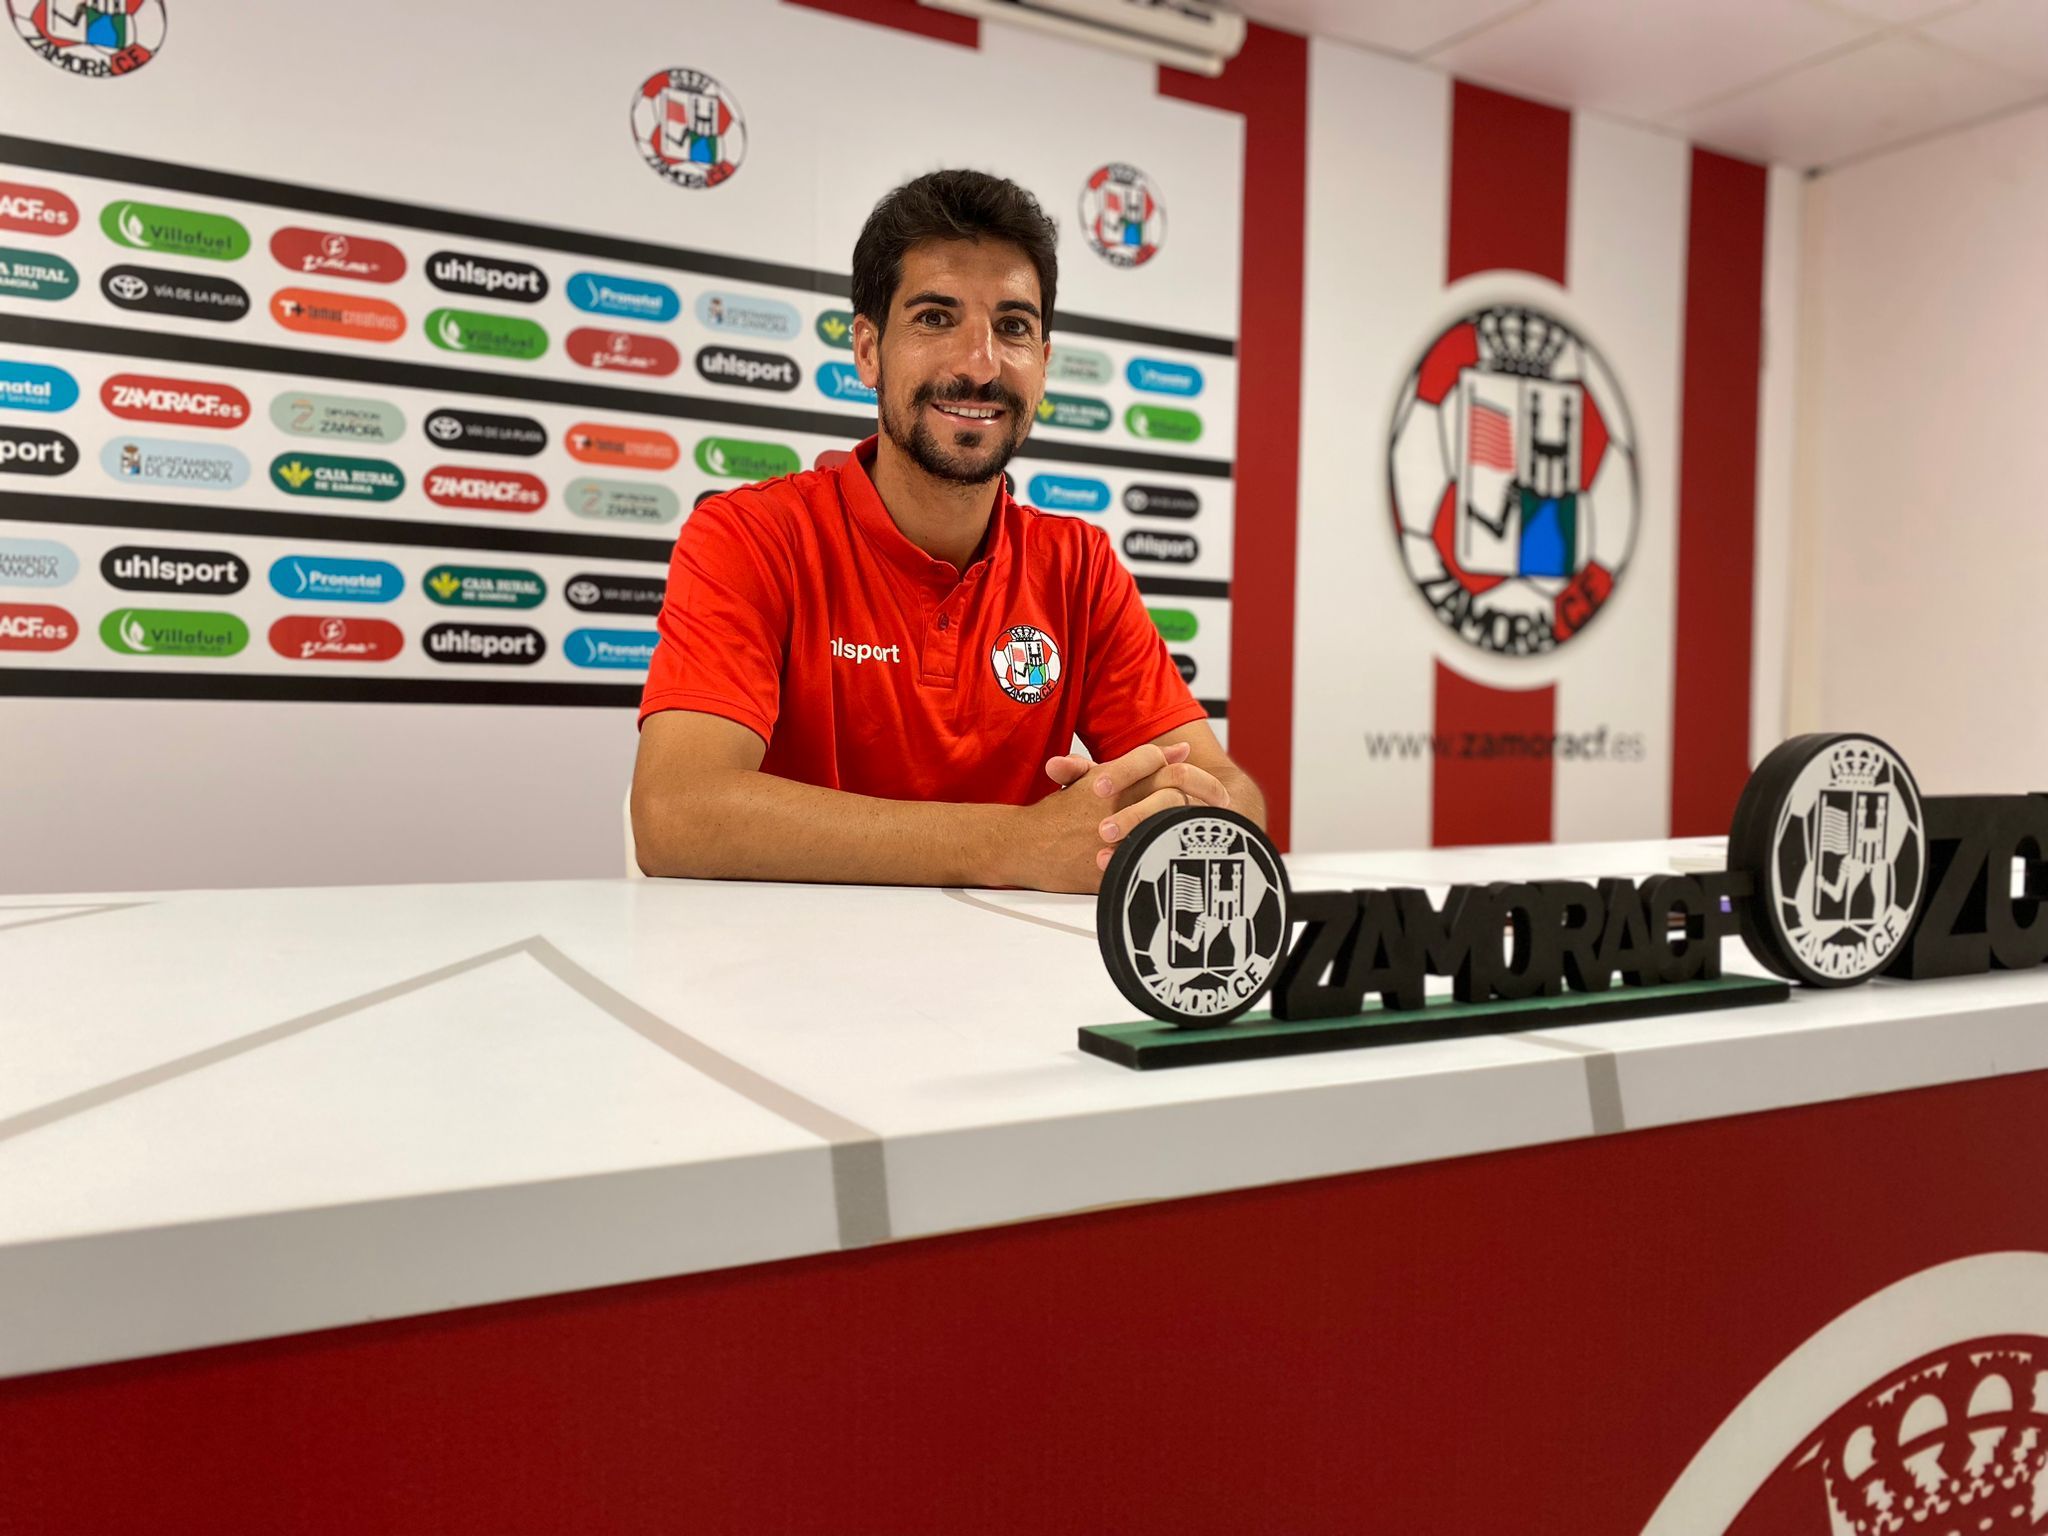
724	625
1131	690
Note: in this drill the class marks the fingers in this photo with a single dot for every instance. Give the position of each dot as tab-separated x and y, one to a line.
1115	829
1066	769
1139	763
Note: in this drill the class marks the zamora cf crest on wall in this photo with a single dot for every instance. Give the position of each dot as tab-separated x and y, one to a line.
1512	469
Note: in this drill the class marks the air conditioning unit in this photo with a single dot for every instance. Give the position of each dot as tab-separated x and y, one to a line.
1188	34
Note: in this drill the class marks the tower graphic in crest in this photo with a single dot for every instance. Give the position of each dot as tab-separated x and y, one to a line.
1519	462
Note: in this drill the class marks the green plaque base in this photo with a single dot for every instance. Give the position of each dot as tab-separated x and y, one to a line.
1148	1043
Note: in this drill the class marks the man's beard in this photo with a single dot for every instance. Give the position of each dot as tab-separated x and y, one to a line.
953	462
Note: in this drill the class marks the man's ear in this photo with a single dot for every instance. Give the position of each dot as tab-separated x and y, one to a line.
867	350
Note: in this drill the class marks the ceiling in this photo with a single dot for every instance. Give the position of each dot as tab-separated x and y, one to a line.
1814	83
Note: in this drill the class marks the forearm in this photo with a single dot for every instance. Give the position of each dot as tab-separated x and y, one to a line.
742	825
1245	797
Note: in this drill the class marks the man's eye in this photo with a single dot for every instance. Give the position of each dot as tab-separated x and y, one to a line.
930	314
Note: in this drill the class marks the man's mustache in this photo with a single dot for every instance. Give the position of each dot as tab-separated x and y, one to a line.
960	393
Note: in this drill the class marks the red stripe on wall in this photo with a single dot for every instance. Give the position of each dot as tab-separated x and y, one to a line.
1511	166
1510	200
904	16
1493	762
1721	384
1268	84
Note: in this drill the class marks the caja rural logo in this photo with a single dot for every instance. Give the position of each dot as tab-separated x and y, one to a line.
1512	466
1122	216
688	128
92	38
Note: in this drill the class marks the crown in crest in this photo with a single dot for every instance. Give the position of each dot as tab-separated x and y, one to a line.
1520	341
1855	767
1212	839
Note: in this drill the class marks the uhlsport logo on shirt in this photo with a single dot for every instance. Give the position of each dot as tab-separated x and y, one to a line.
1513	470
1026	663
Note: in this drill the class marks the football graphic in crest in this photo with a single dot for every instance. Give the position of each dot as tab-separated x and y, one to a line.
1026	663
688	128
1512	468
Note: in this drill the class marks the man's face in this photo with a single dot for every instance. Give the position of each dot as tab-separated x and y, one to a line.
960	364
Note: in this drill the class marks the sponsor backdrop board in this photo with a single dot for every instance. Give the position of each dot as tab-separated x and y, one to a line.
321	417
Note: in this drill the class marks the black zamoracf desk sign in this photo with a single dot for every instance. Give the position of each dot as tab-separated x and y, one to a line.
1837	870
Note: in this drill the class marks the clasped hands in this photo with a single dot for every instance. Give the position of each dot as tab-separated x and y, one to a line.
1100	804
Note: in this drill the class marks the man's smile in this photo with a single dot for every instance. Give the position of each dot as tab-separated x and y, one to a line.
974	415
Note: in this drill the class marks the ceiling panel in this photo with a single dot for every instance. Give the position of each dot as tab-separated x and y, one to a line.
1392	26
2012	34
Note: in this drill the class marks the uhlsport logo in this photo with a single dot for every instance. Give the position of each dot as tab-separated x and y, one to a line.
688	128
487	277
1193	918
94	39
1513	472
1026	663
1122	216
1836	828
36	451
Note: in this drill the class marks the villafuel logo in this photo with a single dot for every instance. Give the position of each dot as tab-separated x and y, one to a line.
36	210
328	253
476	586
622	352
491	645
181	232
735	459
754	370
163	632
92	39
36	627
688	128
486	277
485	432
464	330
599	293
337	416
182	402
1163	423
328	475
486	490
188	295
36	275
349	315
36	451
307	637
205	572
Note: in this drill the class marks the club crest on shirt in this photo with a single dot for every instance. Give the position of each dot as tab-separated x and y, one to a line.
1026	663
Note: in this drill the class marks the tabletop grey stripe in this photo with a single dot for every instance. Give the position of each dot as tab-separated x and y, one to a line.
1023	917
76	909
1603	1079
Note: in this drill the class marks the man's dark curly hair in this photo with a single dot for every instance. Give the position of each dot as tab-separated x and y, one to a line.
950	205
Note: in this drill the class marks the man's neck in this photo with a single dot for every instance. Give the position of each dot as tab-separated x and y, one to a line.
943	518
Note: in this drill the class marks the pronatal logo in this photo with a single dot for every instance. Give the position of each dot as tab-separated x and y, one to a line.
187	295
688	128
1076	413
36	563
1513	470
835	329
464	330
1079	365
348	315
1163	424
1165	548
485	490
740	314
599	593
92	39
627	650
342	417
622	501
487	277
1175	625
181	402
622	352
1161	501
734	459
1163	378
36	387
600	293
1122	216
36	275
30	210
35	627
751	370
1026	663
628	447
329	253
182	232
1068	493
486	432
477	586
329	475
328	579
490	645
201	572
841	381
36	451
169	462
165	632
310	637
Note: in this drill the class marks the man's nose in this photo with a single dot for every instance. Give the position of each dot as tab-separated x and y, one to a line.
977	353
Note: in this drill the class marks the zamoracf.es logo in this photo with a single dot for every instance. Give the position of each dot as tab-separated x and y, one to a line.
1513	472
688	128
1122	216
93	38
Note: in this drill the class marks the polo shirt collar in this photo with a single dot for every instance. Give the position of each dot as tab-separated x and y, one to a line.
857	491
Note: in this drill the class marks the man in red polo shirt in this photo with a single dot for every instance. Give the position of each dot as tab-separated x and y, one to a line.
874	673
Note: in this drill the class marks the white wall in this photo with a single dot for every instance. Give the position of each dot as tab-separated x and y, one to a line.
1923	543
